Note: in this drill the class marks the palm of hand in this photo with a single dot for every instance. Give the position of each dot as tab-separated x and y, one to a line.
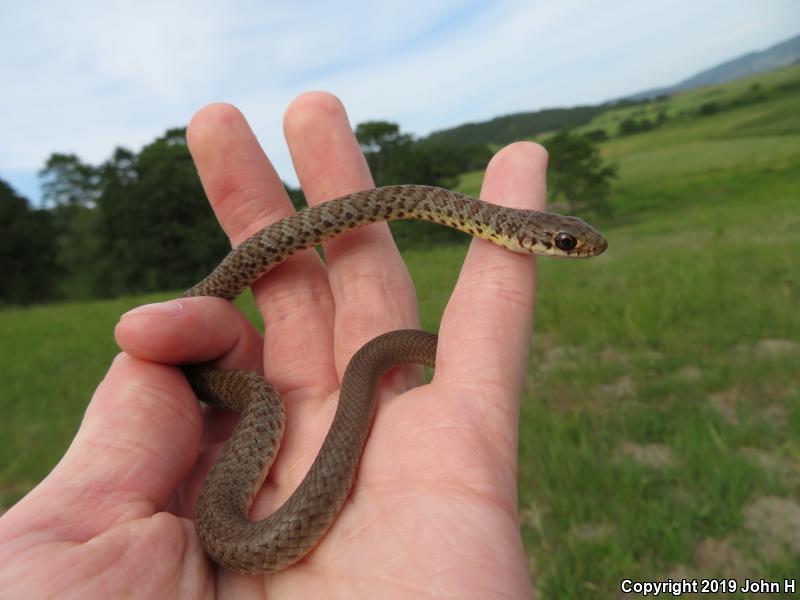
433	508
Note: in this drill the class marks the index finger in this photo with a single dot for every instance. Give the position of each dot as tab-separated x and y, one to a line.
295	301
371	287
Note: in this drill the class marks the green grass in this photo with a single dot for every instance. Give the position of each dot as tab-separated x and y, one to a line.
768	87
681	342
678	311
53	356
662	406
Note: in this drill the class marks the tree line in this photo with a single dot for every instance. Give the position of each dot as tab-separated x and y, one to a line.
140	222
509	128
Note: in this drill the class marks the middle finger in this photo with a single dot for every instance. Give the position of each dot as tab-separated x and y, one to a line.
295	301
371	287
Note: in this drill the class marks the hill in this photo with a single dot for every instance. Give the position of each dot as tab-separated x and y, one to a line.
777	56
508	128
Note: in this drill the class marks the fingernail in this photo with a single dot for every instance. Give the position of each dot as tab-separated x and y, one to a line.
170	308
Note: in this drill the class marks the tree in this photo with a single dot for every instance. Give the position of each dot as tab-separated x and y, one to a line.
386	149
441	163
395	157
709	108
375	136
597	135
577	175
70	189
66	181
27	251
158	231
631	125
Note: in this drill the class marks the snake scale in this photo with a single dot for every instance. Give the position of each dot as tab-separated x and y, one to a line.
221	520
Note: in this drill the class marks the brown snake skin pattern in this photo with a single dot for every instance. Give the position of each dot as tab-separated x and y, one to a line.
229	537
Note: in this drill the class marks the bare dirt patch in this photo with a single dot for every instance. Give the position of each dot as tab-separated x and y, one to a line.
531	518
592	532
724	404
771	348
774	524
722	559
612	355
776	414
690	373
624	386
655	456
787	469
558	356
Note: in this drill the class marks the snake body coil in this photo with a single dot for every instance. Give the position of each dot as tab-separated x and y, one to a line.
294	529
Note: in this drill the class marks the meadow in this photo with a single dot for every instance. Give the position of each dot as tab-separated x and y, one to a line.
660	434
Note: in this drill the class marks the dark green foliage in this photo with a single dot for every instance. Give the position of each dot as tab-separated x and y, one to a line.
709	108
77	240
136	223
520	126
156	229
630	126
297	197
140	222
70	189
631	102
66	181
27	251
577	175
388	152
754	94
395	157
597	135
440	163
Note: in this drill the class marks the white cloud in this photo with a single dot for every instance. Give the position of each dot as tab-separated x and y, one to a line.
85	77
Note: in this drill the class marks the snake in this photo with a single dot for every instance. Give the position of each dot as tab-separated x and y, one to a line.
222	521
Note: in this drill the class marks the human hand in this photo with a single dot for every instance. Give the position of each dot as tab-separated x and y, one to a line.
433	511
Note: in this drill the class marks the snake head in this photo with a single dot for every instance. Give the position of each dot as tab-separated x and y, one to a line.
550	234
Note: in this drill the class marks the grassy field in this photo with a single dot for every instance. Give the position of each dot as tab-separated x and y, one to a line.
661	422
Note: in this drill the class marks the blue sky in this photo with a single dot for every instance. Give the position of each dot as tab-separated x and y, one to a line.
88	76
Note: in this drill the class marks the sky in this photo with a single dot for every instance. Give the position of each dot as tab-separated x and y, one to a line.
86	77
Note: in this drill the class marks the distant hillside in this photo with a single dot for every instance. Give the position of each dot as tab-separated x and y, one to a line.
509	128
753	63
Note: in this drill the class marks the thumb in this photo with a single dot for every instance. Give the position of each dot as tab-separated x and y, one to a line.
138	440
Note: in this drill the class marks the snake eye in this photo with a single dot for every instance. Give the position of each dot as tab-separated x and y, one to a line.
565	241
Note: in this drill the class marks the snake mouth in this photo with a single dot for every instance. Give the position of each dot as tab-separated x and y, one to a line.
593	243
600	246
